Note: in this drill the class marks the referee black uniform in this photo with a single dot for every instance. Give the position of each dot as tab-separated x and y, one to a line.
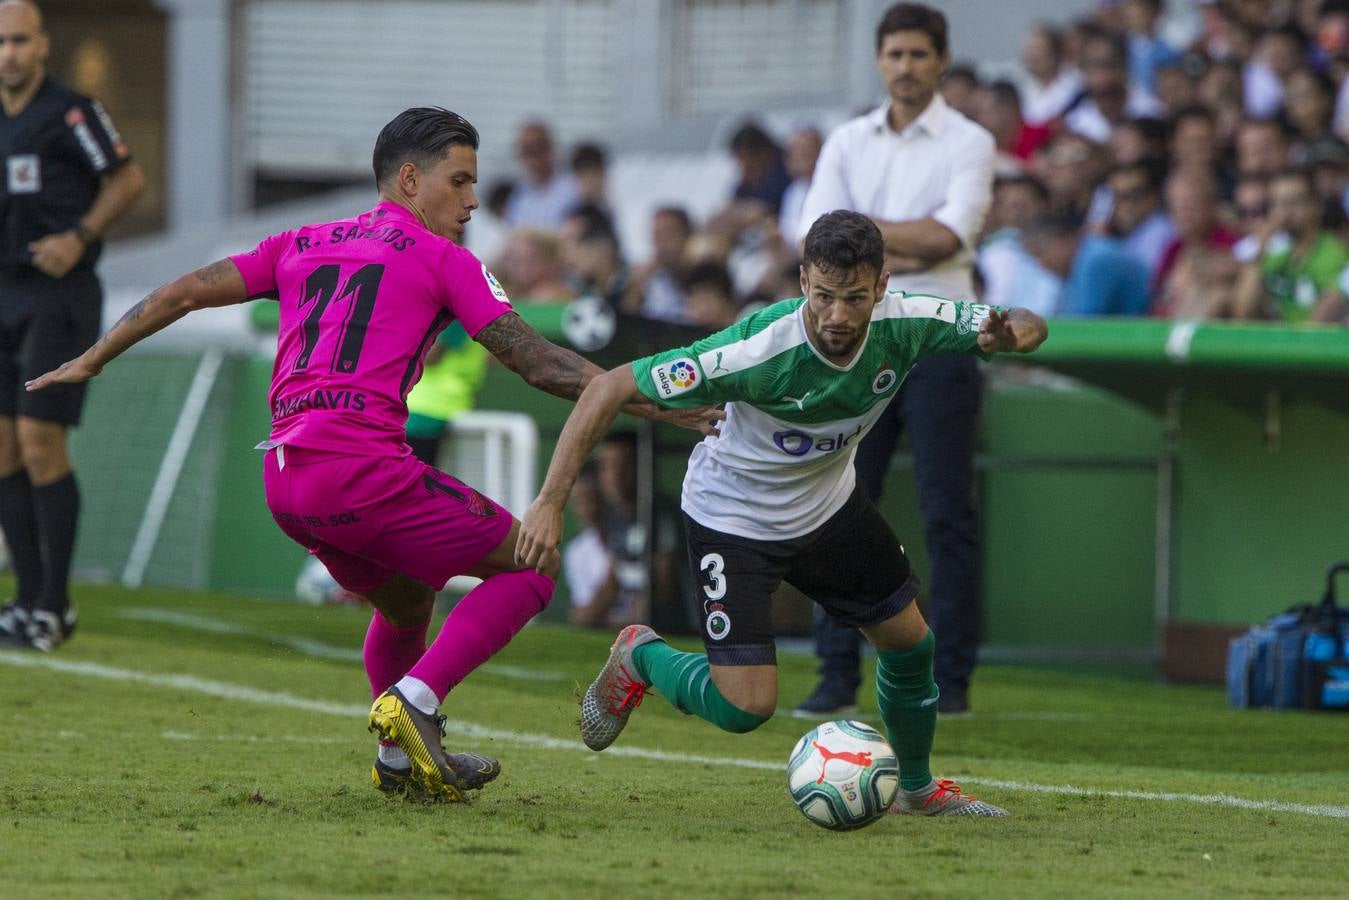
57	150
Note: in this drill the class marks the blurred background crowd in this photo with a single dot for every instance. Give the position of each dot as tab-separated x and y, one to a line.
1135	178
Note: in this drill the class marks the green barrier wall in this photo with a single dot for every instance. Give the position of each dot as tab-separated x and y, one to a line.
1172	478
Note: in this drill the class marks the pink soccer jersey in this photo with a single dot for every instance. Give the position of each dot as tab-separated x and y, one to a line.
362	301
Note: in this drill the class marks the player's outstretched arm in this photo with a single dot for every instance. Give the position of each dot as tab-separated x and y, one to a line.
218	284
1015	330
541	527
558	371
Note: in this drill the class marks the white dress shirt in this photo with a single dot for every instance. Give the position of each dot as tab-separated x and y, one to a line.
1041	103
542	205
939	167
1087	119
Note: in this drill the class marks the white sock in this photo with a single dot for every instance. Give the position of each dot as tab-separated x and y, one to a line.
418	694
394	757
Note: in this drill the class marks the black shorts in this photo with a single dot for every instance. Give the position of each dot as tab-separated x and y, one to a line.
852	565
43	323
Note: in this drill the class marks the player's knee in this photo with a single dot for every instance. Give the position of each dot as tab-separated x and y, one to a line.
42	450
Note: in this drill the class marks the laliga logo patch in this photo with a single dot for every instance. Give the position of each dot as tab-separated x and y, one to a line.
718	623
679	376
884	380
497	290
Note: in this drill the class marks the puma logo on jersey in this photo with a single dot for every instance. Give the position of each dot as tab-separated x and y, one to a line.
800	401
718	367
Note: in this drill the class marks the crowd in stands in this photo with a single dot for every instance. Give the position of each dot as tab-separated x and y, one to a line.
1135	178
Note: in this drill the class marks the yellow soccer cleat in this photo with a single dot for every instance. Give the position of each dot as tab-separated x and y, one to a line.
441	776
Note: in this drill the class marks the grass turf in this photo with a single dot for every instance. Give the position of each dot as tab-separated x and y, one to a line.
191	784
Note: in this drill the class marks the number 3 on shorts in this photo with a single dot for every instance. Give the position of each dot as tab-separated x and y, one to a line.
714	566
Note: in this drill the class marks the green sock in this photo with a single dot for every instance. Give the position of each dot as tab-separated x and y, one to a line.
685	680
907	696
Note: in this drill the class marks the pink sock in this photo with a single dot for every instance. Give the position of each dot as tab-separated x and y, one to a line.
480	625
389	652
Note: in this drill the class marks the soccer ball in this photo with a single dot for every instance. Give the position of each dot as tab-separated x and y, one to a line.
842	775
314	585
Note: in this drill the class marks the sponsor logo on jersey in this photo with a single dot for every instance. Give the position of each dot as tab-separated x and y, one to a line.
718	367
319	398
115	138
798	443
884	380
75	119
678	376
971	317
24	173
497	290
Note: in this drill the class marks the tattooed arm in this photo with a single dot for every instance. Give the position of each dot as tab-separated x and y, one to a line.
558	371
218	284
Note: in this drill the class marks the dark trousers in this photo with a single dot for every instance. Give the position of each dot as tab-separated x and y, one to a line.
938	404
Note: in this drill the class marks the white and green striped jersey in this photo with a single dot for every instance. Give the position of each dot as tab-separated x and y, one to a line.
783	462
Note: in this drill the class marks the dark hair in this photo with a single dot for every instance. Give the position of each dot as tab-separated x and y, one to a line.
422	136
712	274
1153	170
1195	111
1029	182
1116	43
1050	225
595	222
844	241
1292	32
1005	93
913	17
498	195
750	138
677	212
961	72
1154	131
587	157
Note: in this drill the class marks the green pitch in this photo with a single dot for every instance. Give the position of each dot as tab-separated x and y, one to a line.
210	746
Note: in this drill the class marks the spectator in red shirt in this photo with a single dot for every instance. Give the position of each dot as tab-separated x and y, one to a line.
1197	271
998	109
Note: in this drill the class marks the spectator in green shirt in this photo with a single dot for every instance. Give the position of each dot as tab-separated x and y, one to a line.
1299	264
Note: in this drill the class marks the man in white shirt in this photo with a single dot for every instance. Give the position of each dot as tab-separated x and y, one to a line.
923	172
546	194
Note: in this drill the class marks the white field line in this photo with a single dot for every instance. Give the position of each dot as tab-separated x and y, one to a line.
306	646
240	693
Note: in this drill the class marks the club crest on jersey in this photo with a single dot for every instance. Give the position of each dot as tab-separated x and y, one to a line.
678	376
497	290
718	623
884	380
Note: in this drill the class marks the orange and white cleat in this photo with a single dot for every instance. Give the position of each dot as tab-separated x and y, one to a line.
943	797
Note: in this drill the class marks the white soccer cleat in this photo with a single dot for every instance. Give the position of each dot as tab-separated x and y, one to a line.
943	797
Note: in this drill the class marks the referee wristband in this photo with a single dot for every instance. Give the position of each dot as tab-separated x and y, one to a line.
84	234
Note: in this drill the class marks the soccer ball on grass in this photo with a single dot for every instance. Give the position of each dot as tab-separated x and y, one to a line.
842	775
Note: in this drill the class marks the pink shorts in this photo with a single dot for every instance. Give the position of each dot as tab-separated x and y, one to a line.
368	518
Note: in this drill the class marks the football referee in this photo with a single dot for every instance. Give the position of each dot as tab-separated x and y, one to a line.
67	177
